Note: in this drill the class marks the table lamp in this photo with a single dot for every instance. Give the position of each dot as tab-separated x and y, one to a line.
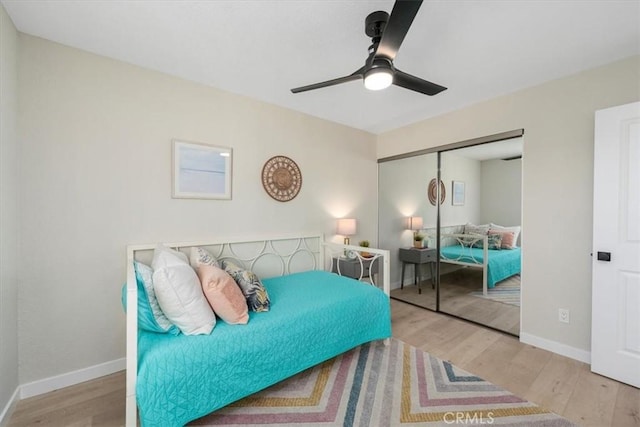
346	228
415	224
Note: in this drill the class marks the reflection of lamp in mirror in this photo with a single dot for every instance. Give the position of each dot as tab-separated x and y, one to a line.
415	224
346	228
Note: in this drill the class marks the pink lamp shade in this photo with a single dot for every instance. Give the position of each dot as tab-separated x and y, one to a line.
415	223
346	226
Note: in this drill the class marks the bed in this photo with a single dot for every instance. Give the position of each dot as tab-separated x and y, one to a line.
472	250
314	316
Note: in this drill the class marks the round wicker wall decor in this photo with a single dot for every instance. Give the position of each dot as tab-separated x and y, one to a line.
432	192
281	178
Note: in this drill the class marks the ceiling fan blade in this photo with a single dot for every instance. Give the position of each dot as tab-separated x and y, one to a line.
396	29
407	81
356	75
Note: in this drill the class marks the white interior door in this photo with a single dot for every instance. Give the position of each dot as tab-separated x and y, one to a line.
615	330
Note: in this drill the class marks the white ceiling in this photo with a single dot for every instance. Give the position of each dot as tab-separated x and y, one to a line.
263	48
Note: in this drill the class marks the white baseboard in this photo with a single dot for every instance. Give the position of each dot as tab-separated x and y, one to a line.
556	347
71	378
8	409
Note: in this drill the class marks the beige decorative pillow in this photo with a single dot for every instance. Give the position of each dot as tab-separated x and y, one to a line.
198	256
224	296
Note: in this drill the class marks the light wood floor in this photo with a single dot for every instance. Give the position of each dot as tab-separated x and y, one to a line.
562	385
455	298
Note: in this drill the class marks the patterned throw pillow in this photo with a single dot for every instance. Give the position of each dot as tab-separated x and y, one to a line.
469	241
476	229
508	238
199	256
515	229
494	241
252	288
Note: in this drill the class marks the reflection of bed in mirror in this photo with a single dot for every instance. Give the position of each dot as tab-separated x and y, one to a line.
485	251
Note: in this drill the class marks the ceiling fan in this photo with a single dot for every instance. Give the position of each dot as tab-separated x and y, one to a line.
387	33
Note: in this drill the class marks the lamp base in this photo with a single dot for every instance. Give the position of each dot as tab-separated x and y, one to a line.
346	242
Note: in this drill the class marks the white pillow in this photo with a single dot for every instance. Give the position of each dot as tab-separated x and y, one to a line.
179	292
516	230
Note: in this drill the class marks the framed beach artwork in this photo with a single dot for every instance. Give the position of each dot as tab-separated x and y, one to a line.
201	171
457	193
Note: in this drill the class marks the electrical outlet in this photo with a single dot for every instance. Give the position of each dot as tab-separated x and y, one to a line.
563	315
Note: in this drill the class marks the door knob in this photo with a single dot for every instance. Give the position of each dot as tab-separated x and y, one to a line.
604	256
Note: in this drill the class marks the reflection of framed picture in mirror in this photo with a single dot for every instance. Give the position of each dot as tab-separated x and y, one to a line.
201	171
457	193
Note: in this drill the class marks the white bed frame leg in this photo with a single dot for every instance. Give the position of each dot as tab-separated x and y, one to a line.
131	414
386	281
484	282
132	342
485	265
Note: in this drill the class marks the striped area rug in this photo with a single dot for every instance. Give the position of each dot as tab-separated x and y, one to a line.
384	386
507	292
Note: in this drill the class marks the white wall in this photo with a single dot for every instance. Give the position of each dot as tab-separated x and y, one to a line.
9	212
501	192
96	175
558	118
458	168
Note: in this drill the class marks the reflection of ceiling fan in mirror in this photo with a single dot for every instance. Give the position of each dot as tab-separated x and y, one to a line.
387	33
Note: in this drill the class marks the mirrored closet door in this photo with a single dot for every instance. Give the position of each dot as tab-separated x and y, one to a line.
475	204
484	210
405	214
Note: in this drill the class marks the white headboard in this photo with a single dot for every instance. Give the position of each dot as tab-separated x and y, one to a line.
267	257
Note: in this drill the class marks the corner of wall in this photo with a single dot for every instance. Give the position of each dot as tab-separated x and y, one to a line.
556	347
9	216
5	415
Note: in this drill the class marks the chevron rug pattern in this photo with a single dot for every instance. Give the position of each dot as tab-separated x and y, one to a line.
507	292
384	386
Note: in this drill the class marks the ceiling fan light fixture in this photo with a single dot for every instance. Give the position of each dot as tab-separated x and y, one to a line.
387	31
378	78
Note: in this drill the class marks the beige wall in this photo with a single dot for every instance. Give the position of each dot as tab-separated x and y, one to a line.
96	175
558	119
9	213
501	192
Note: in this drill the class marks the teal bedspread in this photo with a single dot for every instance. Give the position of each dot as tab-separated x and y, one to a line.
314	316
502	263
